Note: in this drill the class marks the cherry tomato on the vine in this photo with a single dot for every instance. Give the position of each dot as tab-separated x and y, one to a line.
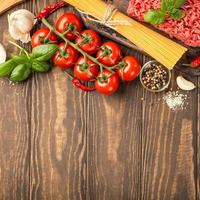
43	36
107	82
109	54
85	69
89	41
66	57
129	69
70	24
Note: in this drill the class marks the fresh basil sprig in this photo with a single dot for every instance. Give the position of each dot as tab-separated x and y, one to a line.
40	66
20	73
7	67
168	8
20	59
20	67
44	52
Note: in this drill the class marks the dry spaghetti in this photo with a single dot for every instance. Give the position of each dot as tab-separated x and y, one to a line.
159	47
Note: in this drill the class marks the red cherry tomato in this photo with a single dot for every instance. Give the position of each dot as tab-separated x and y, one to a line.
107	82
69	23
89	41
42	36
86	70
130	69
109	54
66	57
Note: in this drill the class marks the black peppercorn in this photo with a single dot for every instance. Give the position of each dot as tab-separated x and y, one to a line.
154	77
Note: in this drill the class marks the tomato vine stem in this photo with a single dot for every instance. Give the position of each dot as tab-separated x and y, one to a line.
75	46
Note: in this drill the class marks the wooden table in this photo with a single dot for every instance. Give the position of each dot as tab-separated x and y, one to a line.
57	142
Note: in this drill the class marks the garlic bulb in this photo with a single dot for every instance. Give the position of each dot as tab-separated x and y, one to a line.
2	54
184	84
20	24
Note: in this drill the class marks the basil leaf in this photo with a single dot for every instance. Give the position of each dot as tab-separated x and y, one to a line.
154	17
7	67
169	4
168	7
174	4
178	3
164	6
20	59
20	73
176	14
44	52
39	66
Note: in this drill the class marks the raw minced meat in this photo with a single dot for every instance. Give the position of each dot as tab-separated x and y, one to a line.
187	29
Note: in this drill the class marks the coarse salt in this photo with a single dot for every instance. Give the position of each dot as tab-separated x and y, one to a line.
176	100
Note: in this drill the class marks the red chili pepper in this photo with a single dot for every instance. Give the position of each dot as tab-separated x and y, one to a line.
81	86
50	9
76	82
195	63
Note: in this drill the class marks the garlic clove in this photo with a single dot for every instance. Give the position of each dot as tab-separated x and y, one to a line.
23	12
25	38
14	32
17	35
184	84
20	24
23	24
2	54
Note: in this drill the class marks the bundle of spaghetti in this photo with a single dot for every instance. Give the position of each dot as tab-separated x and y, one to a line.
164	50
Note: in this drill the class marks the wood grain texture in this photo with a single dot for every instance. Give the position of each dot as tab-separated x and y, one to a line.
57	142
14	141
169	149
58	148
114	144
14	133
58	159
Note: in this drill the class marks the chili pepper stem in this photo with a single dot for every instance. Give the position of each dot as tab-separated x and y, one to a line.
21	49
187	65
76	82
68	74
46	23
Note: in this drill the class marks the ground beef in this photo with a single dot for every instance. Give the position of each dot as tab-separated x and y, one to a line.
187	29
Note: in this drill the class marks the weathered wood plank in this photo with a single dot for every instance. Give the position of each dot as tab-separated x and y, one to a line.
57	142
58	136
169	149
114	144
14	132
14	141
58	139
